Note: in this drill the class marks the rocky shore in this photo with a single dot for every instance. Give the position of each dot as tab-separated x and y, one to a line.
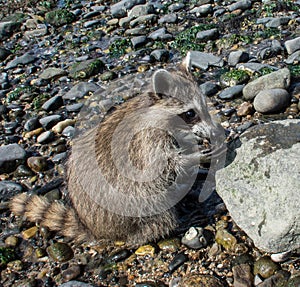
64	63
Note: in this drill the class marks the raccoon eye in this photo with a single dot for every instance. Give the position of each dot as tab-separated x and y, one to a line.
190	114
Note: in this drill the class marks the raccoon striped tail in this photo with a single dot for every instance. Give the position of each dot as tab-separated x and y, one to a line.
53	215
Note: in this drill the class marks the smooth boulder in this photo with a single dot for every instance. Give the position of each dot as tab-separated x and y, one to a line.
260	187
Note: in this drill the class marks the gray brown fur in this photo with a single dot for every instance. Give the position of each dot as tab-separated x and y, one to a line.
85	218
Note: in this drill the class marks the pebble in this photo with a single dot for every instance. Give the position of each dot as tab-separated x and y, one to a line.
209	88
119	256
145	250
206	35
271	100
53	104
30	232
278	279
71	273
243	5
244	109
227	240
32	124
231	92
160	55
11	156
196	238
52	73
171	245
292	45
177	261
80	90
138	41
60	252
11	241
37	163
281	257
25	59
202	10
200	280
75	284
204	60
265	267
59	127
9	188
236	57
44	137
49	121
242	275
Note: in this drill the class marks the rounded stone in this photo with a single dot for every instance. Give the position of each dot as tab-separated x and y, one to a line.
265	267
60	252
272	100
37	163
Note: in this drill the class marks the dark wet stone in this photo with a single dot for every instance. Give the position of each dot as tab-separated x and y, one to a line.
25	59
206	35
4	53
60	252
10	127
177	261
160	55
80	90
58	158
196	238
69	132
32	124
8	189
118	256
23	170
53	103
231	92
49	121
37	163
91	14
59	17
74	107
265	267
145	19
10	157
8	28
209	88
138	41
45	137
270	51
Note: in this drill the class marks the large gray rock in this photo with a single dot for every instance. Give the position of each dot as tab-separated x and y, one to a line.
280	79
271	101
11	156
261	186
204	60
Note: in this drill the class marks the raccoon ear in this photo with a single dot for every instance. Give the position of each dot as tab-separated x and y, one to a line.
187	62
162	82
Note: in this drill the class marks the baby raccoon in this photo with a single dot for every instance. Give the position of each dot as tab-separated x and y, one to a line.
126	174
